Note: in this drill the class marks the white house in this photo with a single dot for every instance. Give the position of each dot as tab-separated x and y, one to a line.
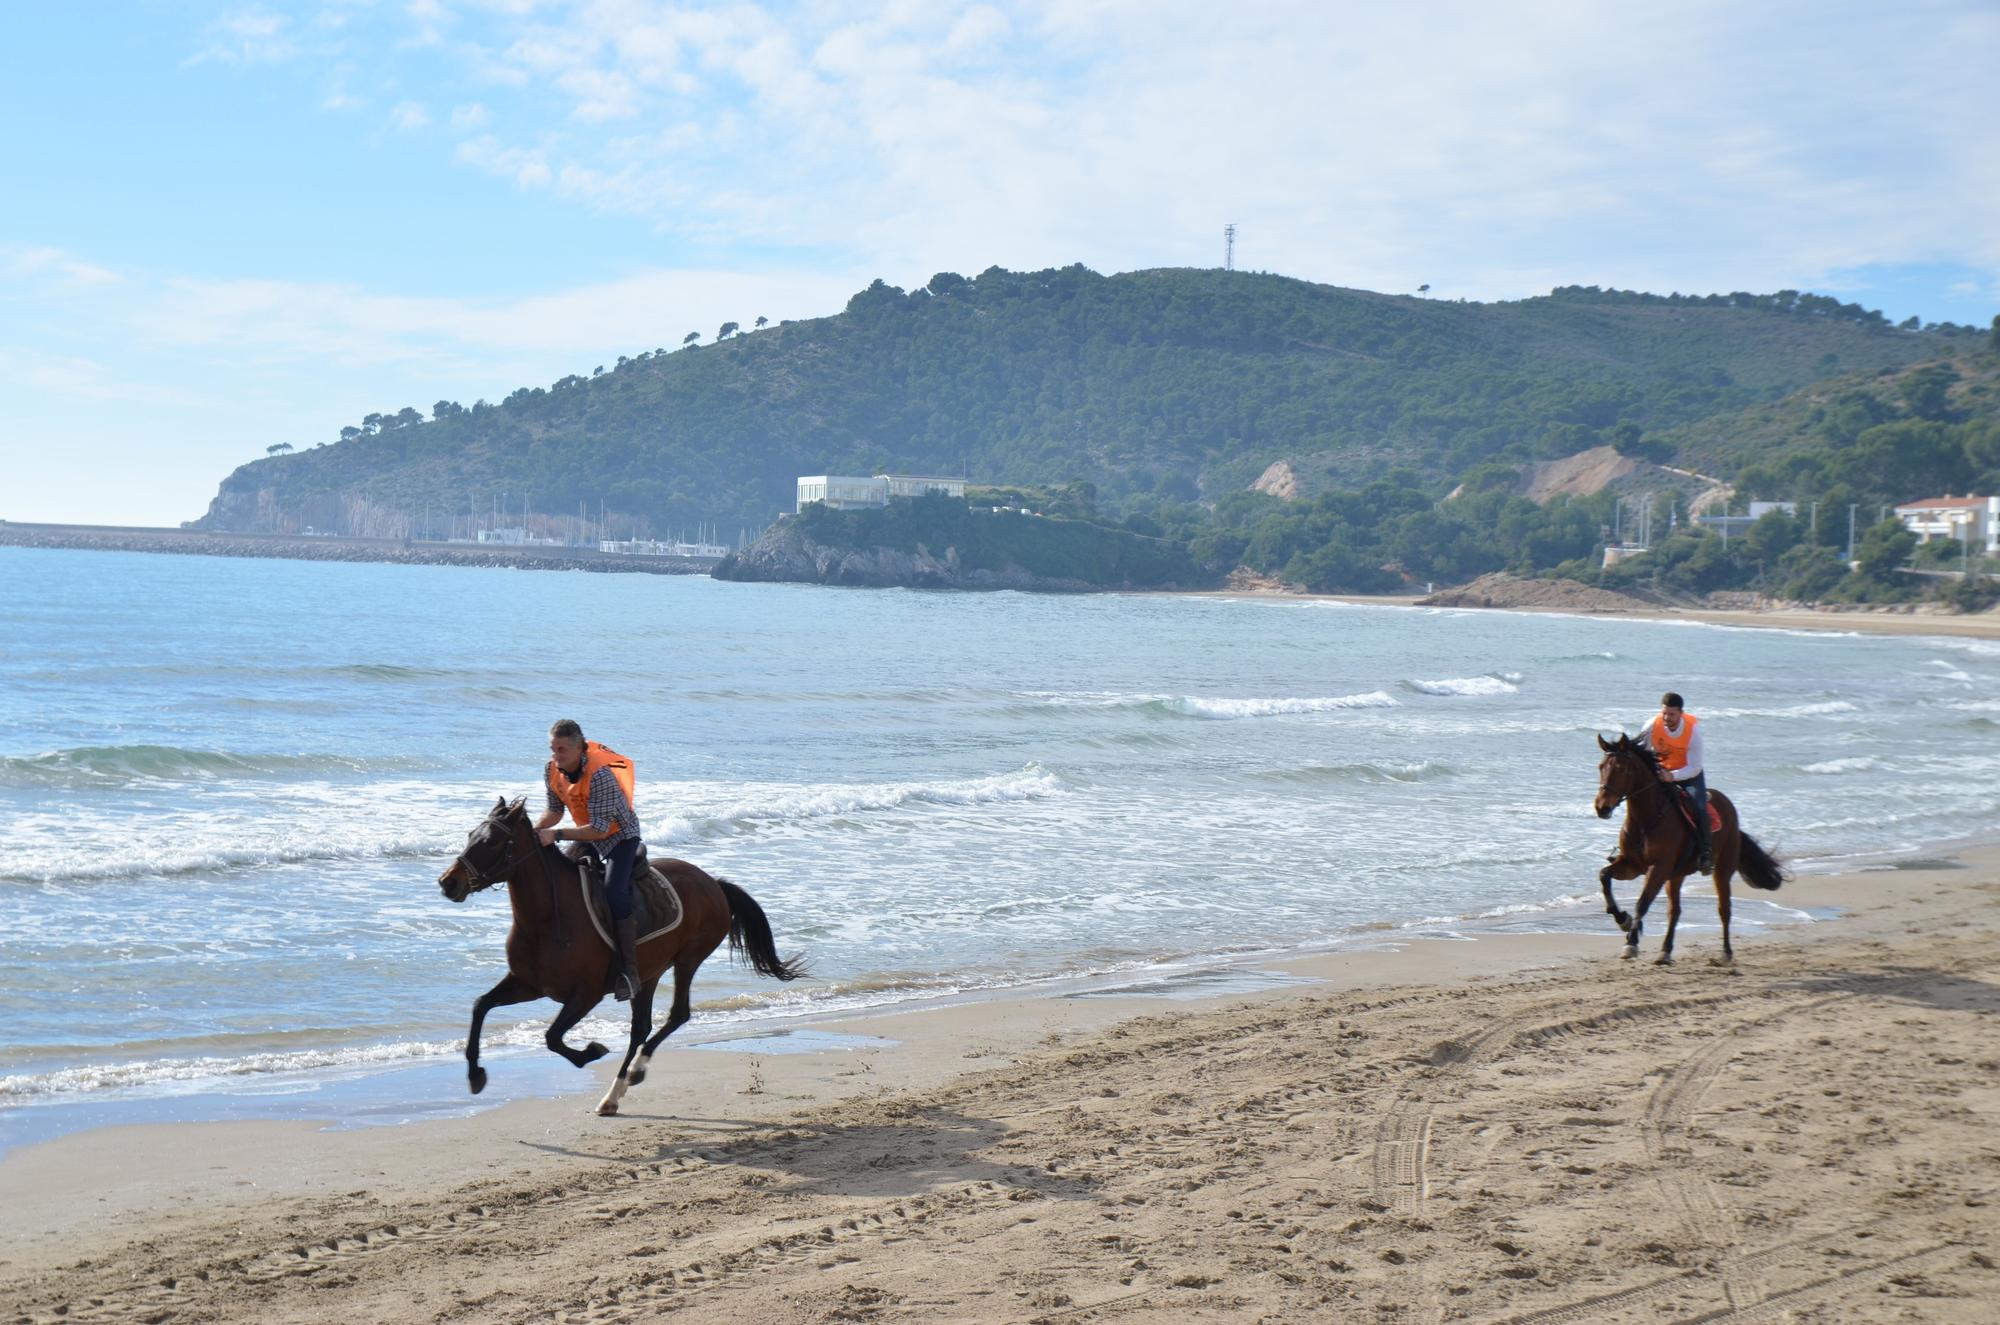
1961	519
848	494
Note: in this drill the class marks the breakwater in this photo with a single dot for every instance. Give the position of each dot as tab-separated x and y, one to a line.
292	547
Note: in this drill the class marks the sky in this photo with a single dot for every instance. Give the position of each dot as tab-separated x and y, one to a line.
225	226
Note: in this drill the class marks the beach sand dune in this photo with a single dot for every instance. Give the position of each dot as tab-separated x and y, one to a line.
1815	1138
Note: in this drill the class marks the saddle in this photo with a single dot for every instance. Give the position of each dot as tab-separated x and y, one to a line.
655	904
1686	806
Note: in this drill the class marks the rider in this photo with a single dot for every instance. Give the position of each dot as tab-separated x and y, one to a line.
1675	736
595	785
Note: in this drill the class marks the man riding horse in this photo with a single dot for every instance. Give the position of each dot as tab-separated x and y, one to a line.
594	784
1675	736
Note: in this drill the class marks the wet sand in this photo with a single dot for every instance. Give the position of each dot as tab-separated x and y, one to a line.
1522	1128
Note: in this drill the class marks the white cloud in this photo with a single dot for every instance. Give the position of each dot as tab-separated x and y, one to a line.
1372	146
472	115
247	36
410	115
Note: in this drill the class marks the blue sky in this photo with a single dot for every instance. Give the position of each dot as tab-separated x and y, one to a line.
227	225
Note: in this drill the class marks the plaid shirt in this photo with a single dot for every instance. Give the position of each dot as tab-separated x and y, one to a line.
607	803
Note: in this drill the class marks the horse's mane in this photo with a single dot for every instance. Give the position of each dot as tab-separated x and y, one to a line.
1628	743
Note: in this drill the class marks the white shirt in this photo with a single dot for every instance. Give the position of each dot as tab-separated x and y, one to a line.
1692	768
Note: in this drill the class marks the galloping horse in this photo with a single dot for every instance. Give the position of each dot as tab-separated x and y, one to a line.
1655	841
553	951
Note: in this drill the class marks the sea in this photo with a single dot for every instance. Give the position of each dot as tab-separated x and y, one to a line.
227	788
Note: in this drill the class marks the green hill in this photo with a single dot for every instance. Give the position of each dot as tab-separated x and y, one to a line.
1154	386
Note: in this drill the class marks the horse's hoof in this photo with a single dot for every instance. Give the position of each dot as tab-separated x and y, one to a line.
476	1078
1629	954
607	1111
1664	959
592	1052
634	1077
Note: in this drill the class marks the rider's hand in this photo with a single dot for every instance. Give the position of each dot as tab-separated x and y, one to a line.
547	836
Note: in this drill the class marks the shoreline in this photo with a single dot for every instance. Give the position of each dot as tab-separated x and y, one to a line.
1888	621
931	1115
94	538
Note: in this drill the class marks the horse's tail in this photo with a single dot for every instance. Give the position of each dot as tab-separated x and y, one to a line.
1757	866
750	934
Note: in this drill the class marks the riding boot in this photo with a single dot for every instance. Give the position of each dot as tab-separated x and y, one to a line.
1704	860
626	986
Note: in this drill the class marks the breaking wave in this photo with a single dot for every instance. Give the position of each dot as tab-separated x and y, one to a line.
110	765
1493	683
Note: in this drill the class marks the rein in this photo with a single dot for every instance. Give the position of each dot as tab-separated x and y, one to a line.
1645	829
480	881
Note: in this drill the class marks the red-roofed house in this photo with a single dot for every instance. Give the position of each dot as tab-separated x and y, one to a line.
1958	518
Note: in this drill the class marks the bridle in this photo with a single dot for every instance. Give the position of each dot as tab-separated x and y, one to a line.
479	880
1617	754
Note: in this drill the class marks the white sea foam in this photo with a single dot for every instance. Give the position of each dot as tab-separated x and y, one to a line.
751	808
1215	706
1225	708
1819	709
1857	764
1497	683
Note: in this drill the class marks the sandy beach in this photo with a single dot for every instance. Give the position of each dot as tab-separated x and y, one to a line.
1521	1128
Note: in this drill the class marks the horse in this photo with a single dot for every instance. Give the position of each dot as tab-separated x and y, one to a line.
553	950
1655	838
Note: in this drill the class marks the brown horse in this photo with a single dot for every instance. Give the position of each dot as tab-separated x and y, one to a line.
1656	841
553	951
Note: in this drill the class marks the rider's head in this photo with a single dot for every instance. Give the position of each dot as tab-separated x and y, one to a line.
566	743
1670	707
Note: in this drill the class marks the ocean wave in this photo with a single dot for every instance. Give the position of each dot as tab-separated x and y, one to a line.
769	807
1365	773
1815	710
1493	683
1856	764
107	765
1951	671
1218	707
1194	706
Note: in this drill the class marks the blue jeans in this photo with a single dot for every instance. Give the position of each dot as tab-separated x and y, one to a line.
1696	788
618	876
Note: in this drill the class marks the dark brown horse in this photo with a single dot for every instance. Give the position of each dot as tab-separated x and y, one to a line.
1656	841
553	951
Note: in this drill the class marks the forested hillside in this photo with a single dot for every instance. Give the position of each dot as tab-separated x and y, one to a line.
1159	388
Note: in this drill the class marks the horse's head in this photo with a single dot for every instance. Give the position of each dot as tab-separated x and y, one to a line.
489	853
1625	768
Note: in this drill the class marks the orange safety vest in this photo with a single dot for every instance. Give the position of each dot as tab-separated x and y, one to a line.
576	794
1672	747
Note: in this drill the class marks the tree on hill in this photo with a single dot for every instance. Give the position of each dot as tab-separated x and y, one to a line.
728	329
762	321
691	338
282	448
1162	388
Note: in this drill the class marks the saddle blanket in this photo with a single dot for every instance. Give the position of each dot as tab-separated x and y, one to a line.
655	904
1687	813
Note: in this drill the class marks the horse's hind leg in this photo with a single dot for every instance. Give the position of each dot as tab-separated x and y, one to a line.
1725	865
574	1009
642	1022
676	1018
511	989
1666	957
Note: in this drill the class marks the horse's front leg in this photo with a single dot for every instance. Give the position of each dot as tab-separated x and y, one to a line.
642	1026
511	989
574	1009
1655	879
1617	869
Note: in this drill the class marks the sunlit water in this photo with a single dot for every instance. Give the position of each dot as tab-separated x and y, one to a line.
227	787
